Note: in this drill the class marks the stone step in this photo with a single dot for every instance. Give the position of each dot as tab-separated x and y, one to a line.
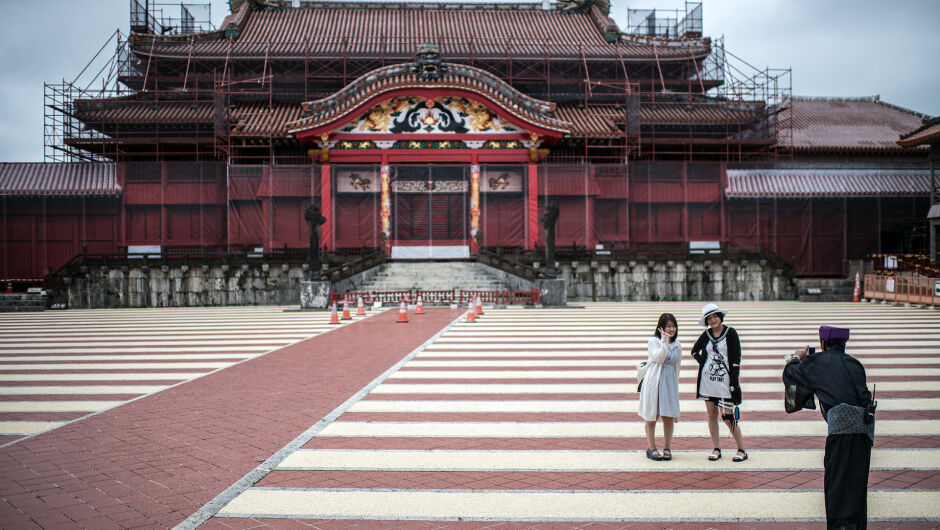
434	276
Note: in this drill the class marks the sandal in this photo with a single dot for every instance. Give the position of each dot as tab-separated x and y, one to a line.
653	454
667	454
716	454
738	457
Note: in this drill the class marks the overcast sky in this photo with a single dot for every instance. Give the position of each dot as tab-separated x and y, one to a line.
836	48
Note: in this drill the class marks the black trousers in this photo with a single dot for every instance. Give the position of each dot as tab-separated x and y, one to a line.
847	460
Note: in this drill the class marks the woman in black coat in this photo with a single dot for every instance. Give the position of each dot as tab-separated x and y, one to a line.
718	352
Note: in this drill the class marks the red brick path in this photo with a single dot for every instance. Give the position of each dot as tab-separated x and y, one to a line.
153	462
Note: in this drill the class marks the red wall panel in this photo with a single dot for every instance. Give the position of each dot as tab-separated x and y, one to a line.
243	187
571	227
289	224
704	222
656	192
357	221
611	220
143	193
703	192
502	220
143	225
246	223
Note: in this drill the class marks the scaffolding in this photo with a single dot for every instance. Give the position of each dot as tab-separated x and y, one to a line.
659	23
155	17
232	107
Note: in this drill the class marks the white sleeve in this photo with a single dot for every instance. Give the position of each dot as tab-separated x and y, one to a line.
657	350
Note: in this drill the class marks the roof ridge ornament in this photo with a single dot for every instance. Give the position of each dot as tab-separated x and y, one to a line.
428	63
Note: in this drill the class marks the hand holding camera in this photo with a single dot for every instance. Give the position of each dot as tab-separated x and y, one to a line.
799	354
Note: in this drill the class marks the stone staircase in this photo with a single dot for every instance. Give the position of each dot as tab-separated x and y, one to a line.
22	302
439	276
825	289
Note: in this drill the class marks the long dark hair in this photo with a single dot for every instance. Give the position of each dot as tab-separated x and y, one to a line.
664	319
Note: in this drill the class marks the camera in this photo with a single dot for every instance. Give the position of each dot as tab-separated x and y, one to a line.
810	350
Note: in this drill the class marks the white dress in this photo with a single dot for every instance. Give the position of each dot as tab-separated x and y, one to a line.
659	395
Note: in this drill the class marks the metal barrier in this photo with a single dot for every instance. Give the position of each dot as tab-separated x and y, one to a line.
902	289
531	297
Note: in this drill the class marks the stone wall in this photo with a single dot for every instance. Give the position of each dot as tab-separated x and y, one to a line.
279	284
182	286
714	279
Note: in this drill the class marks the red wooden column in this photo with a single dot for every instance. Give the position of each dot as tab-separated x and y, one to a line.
326	207
474	207
532	208
386	205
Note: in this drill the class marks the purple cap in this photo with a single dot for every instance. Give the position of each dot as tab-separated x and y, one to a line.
827	333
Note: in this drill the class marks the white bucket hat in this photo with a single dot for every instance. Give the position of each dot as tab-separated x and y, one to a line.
710	309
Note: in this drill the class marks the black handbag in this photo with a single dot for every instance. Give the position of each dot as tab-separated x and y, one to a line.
796	396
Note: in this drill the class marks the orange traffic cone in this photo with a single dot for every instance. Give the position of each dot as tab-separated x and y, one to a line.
471	312
479	306
334	318
360	307
402	314
858	288
420	309
346	315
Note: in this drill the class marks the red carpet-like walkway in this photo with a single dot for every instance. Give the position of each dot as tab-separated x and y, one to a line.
154	461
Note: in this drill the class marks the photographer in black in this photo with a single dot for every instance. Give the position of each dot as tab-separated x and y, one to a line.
838	381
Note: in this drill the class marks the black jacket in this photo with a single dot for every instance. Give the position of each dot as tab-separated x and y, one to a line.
834	376
734	355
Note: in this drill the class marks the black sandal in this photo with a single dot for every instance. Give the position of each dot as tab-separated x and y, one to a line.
738	457
716	454
653	454
667	454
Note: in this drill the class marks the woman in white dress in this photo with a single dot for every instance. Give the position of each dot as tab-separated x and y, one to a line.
659	390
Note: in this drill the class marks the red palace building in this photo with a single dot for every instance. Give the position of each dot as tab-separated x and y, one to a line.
437	130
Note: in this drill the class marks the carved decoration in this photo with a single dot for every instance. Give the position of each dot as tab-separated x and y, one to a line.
441	115
428	63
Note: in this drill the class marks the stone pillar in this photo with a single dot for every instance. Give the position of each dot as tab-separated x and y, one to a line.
553	292
314	294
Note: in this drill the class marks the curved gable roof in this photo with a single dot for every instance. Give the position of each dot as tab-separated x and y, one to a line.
343	105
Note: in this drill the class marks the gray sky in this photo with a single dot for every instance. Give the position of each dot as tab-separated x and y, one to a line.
837	48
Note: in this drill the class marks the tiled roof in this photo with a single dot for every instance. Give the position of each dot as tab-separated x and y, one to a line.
247	119
599	120
593	121
849	124
258	119
702	113
390	32
402	76
804	183
926	134
58	179
129	111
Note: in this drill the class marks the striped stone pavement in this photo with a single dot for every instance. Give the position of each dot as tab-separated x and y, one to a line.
530	415
61	366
